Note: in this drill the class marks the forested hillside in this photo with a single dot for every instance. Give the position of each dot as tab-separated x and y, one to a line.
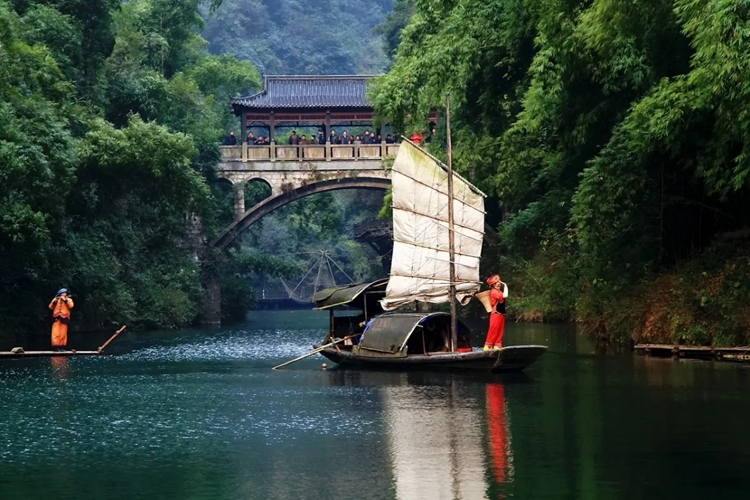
314	37
616	136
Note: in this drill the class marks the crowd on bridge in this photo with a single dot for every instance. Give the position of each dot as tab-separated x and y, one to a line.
367	138
332	138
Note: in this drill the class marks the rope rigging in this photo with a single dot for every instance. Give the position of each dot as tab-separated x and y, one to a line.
319	276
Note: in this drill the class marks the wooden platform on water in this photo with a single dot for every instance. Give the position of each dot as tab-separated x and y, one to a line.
698	352
46	354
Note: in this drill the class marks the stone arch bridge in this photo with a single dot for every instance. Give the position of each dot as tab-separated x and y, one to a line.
299	173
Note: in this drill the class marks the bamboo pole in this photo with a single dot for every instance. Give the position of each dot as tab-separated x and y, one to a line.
111	338
314	351
451	234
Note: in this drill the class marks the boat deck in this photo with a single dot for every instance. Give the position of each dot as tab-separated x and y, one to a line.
697	352
46	354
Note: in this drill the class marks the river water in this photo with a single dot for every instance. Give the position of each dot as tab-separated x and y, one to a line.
199	415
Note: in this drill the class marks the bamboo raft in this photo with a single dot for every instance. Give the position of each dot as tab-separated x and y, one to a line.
19	352
741	354
48	354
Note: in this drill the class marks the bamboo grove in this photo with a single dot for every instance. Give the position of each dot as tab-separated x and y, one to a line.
615	135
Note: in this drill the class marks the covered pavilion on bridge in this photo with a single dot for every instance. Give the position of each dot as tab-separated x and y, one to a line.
307	102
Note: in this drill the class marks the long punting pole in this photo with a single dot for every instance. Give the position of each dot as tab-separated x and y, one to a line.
451	236
118	332
315	351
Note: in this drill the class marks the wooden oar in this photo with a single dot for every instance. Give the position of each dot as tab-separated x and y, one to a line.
314	351
111	338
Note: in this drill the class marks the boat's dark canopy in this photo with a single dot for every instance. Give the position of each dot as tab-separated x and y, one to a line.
388	333
341	296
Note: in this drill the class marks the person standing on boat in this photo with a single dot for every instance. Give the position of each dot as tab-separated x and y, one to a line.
498	294
60	306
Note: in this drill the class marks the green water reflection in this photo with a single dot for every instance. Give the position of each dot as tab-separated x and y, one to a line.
200	415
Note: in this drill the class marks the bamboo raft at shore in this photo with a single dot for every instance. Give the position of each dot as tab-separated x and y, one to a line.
47	354
740	354
19	352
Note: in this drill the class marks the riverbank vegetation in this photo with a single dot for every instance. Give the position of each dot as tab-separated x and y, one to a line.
110	113
615	136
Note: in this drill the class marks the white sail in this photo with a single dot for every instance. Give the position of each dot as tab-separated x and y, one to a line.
420	264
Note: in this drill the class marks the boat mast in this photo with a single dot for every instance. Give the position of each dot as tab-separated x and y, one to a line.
451	236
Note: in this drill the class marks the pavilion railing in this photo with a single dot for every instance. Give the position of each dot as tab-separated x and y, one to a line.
326	152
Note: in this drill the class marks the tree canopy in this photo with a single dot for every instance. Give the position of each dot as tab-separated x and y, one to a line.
614	134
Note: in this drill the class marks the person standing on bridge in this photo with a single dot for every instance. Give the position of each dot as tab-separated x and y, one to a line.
294	139
60	306
230	140
498	294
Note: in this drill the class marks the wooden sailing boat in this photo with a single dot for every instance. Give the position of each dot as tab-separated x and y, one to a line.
438	228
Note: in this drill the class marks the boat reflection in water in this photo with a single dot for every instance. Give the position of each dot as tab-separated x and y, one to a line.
437	438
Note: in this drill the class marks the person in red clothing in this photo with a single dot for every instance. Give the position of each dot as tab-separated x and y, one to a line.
498	294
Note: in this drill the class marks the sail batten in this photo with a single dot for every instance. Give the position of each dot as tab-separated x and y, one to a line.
426	247
468	229
420	267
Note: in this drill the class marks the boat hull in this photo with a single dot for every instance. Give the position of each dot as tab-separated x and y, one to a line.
507	359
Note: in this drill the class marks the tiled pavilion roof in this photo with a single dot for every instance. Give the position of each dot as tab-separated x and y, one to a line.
308	92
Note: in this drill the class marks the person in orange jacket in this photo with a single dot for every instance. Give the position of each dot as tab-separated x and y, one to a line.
60	306
497	316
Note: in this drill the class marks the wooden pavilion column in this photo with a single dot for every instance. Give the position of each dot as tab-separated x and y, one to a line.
272	128
272	135
243	135
328	135
243	126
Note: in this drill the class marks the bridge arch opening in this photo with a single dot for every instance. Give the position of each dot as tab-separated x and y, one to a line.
268	205
256	190
222	190
315	236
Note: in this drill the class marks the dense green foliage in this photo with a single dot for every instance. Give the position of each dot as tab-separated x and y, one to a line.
109	114
394	22
615	134
296	37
